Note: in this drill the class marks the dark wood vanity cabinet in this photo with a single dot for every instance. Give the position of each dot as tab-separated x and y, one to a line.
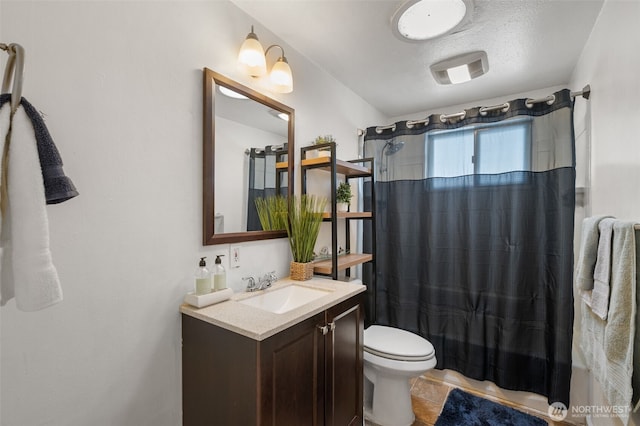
308	374
344	363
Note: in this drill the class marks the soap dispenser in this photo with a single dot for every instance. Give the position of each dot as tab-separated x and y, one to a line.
219	275
203	278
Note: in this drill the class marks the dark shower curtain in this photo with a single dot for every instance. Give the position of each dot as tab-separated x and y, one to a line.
474	240
264	180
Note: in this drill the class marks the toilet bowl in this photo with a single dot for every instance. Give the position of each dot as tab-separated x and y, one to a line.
391	357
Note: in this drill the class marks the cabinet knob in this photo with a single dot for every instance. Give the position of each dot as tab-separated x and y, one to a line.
327	328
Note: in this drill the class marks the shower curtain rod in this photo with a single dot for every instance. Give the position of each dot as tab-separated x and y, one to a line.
585	93
260	150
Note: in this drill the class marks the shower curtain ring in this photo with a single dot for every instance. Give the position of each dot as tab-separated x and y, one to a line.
549	100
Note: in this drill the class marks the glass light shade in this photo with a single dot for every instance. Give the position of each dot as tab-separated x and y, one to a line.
251	59
281	76
426	19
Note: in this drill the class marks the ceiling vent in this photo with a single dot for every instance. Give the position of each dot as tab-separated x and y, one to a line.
461	68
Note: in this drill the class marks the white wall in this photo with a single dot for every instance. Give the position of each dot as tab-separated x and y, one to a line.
120	86
610	63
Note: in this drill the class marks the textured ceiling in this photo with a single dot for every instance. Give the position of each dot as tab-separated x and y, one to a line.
531	44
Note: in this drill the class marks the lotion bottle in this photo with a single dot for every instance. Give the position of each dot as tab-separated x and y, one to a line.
203	278
219	275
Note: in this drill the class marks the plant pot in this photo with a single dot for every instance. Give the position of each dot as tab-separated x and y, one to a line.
301	271
324	153
342	207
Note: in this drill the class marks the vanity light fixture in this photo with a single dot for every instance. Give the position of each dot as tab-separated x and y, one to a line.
419	20
252	60
461	68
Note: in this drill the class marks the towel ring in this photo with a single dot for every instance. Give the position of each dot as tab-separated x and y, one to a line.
14	70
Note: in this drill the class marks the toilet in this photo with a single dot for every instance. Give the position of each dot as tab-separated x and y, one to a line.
391	357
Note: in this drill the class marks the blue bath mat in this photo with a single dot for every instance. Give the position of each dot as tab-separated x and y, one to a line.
464	409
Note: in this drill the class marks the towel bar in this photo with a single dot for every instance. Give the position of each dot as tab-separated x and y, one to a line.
14	69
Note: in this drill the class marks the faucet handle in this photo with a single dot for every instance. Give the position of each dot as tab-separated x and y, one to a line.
251	285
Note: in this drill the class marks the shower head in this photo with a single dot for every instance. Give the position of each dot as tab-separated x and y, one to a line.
388	150
393	147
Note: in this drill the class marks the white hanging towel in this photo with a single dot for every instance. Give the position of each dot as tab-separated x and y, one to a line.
27	271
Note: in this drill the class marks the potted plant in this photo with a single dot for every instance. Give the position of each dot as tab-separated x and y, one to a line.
343	196
305	217
320	140
272	212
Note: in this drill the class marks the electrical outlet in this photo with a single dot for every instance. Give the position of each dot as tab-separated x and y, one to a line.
234	256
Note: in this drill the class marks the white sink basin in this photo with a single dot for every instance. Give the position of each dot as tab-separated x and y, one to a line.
284	299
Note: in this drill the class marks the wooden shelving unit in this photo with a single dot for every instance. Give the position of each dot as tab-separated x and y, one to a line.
326	216
282	166
340	170
344	261
345	168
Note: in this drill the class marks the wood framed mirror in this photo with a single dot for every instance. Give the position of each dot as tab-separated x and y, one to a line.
237	127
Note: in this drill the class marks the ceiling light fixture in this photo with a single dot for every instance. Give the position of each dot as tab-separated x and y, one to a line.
252	60
231	93
281	115
461	68
419	20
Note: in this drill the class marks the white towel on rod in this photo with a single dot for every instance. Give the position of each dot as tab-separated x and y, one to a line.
27	271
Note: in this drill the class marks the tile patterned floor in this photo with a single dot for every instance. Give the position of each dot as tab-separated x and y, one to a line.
428	396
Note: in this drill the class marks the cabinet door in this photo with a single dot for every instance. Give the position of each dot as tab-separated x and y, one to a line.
344	363
219	369
292	375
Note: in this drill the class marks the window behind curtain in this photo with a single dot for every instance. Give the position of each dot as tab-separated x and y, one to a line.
485	149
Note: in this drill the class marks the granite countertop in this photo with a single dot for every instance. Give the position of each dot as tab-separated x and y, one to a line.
259	324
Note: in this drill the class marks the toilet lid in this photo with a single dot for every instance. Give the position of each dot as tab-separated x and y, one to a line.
394	343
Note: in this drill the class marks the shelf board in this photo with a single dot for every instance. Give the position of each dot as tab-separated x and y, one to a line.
344	261
342	167
348	215
282	165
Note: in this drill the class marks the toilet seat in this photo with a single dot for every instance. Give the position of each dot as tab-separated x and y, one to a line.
397	344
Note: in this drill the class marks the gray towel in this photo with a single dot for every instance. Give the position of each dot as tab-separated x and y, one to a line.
602	270
57	186
608	344
588	252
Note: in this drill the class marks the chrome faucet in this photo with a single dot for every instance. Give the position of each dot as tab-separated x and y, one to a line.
267	280
251	284
264	282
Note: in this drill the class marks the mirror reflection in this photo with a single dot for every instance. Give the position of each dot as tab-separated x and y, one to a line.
248	142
